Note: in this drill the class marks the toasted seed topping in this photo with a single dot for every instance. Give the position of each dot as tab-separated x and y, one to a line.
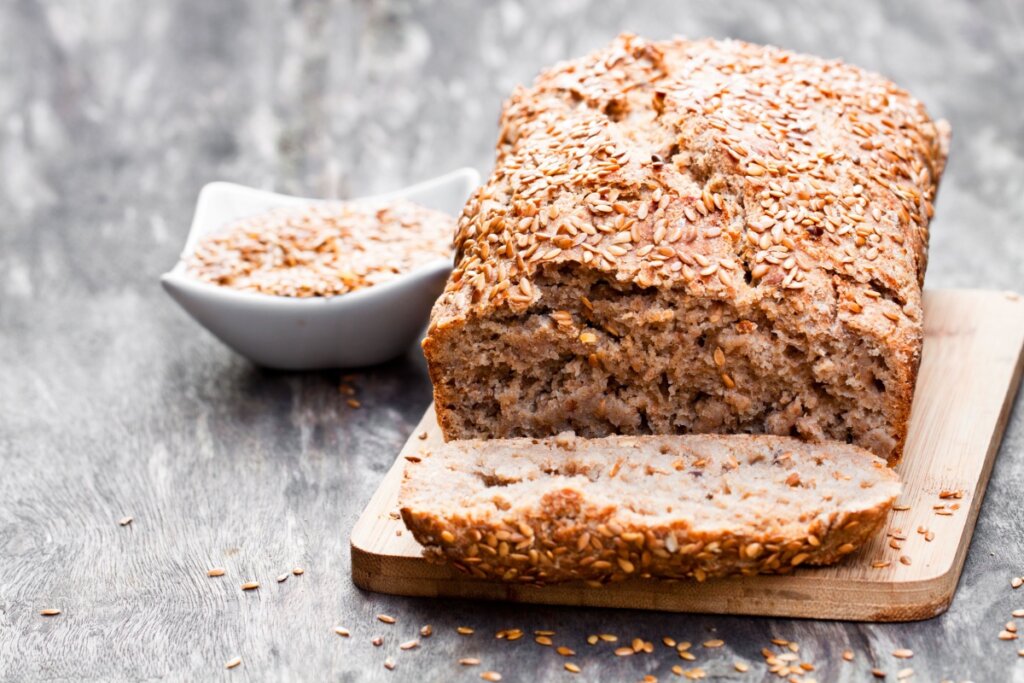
624	651
386	618
124	521
902	653
409	644
491	676
469	661
232	663
216	571
250	585
49	612
543	640
565	651
464	630
282	578
341	631
389	664
572	668
608	637
1016	582
714	643
848	655
742	667
377	641
426	630
298	571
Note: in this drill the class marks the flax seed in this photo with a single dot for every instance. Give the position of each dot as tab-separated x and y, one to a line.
216	571
386	618
49	612
464	630
250	585
232	663
343	632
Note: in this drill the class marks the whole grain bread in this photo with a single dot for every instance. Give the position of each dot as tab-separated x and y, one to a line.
693	237
599	510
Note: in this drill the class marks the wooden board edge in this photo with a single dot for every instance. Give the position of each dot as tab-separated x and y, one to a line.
412	576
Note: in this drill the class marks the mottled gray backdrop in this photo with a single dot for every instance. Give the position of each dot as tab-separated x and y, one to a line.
113	113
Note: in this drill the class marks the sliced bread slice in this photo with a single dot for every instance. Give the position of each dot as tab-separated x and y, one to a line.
566	508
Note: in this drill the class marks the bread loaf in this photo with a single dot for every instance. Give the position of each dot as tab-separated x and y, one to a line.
693	237
599	510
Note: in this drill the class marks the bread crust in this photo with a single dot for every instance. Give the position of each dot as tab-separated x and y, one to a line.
780	183
574	526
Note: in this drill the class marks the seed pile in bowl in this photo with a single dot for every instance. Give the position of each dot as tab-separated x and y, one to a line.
323	249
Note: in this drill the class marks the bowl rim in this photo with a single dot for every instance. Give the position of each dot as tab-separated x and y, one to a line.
177	278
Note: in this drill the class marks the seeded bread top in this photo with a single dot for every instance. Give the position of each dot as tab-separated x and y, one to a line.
717	168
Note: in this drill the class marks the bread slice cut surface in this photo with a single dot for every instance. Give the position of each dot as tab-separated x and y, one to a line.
566	508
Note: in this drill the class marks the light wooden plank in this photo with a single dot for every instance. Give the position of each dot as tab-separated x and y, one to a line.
970	372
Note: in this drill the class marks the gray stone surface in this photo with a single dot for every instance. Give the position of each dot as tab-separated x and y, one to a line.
112	115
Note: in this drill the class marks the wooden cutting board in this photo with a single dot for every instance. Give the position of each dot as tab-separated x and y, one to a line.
970	371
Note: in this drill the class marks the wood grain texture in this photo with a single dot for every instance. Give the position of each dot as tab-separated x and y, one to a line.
112	402
970	371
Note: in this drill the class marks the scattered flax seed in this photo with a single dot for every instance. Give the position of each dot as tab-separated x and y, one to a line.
389	664
637	644
878	673
426	631
1007	635
1016	582
124	521
386	618
298	571
848	655
1020	653
881	564
904	674
624	651
572	668
1018	613
608	637
543	640
343	632
592	639
409	644
282	578
469	661
377	641
216	571
464	630
687	655
422	436
902	653
250	585
742	667
905	559
696	673
353	403
232	663
49	612
543	633
677	670
491	676
685	645
1011	627
714	643
900	508
565	651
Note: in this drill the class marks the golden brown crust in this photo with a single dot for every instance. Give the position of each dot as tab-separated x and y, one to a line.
548	511
718	170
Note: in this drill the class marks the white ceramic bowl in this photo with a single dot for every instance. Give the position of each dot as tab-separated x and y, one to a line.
364	327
